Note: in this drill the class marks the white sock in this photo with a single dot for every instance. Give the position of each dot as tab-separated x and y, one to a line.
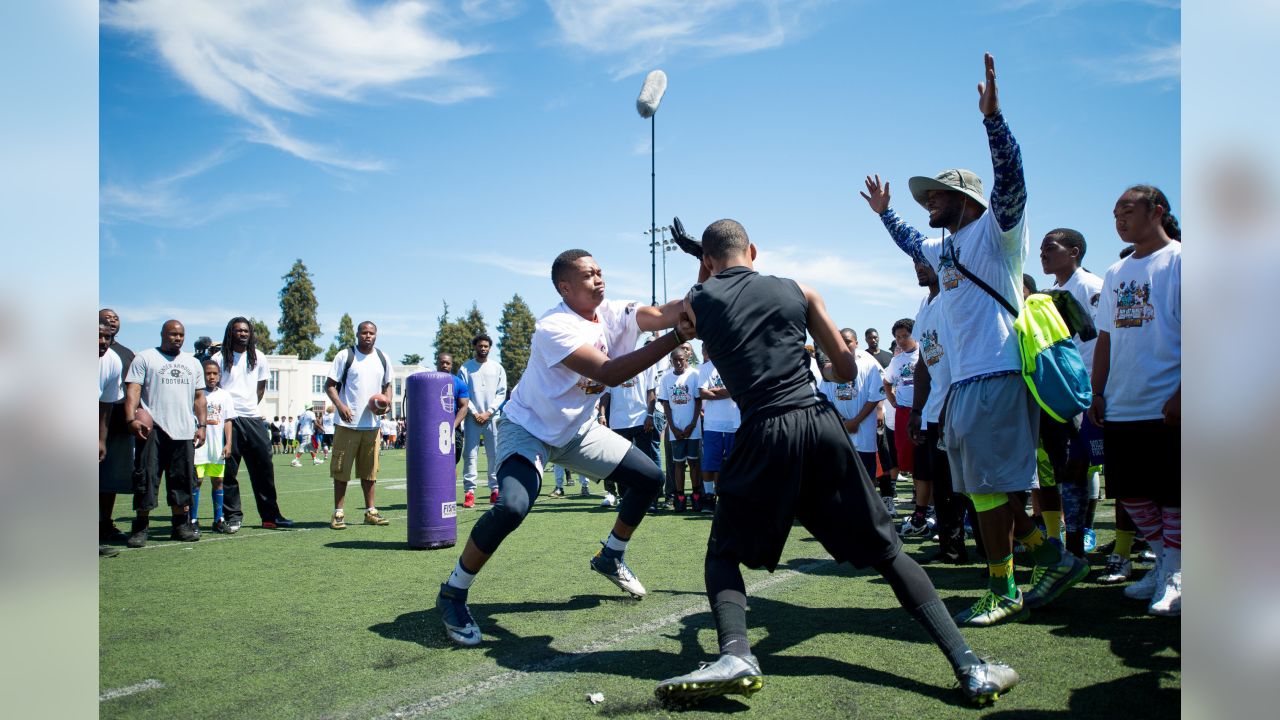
338	510
615	543
460	578
371	509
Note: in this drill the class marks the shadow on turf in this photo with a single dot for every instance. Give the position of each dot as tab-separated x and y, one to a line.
786	626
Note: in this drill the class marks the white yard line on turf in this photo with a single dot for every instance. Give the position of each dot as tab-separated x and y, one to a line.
467	687
148	684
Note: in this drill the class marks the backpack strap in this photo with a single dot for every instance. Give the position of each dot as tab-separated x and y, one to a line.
346	368
955	259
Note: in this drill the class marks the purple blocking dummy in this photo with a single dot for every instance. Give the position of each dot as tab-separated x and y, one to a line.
432	482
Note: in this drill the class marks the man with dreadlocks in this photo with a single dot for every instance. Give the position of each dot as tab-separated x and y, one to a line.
244	377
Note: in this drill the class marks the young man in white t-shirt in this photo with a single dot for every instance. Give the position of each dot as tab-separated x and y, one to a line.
1137	387
720	420
1079	444
211	458
678	393
900	388
858	401
357	375
992	421
306	438
578	348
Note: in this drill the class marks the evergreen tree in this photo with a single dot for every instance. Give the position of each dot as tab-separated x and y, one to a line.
262	336
515	331
452	337
298	325
411	359
346	337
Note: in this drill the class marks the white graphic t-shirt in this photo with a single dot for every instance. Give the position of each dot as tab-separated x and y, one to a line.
551	401
1086	288
933	338
849	399
901	376
219	408
306	425
169	387
1141	309
717	415
984	340
680	391
629	402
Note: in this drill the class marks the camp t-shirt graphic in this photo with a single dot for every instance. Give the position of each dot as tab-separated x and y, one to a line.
589	386
930	346
1133	305
844	391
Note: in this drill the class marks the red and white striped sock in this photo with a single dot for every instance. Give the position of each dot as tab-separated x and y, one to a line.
1147	517
1171	526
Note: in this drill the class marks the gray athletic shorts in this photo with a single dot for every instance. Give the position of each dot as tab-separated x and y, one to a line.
594	451
992	428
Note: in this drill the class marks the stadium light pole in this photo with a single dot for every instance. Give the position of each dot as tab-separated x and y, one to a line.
655	86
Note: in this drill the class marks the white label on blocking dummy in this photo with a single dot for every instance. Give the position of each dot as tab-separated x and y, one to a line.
446	438
449	509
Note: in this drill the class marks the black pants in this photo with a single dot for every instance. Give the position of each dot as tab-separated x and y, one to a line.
175	459
251	441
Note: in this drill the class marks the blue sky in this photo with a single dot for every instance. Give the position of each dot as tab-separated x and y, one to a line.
412	153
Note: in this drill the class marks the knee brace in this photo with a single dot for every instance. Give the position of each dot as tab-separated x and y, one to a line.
518	482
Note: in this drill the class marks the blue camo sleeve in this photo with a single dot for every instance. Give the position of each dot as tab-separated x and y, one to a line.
904	236
1009	191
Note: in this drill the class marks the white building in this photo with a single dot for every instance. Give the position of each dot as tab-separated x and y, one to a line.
299	384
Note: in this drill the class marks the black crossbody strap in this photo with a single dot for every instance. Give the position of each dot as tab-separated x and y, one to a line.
955	258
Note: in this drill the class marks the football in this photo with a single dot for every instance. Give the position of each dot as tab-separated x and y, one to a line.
144	417
379	404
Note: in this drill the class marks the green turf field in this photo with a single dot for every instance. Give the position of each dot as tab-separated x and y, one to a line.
313	622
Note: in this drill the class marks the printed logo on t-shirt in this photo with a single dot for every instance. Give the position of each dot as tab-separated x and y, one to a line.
213	414
586	384
1132	305
716	383
680	395
906	376
931	348
176	374
631	383
844	391
949	277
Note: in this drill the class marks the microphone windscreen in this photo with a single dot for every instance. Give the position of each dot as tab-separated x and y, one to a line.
655	84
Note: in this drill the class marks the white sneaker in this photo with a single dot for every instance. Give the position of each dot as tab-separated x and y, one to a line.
1168	602
609	500
1145	589
317	461
296	462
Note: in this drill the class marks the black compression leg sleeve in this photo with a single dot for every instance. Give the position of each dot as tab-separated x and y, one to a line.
518	483
728	596
641	481
915	592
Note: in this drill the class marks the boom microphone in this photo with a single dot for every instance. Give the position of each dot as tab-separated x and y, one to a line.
655	85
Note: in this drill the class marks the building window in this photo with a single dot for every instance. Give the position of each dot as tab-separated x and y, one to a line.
398	387
273	384
317	384
399	408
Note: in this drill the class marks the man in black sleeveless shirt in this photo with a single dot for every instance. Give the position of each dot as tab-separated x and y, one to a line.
791	460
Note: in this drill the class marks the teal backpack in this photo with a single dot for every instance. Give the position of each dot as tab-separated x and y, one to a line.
1051	364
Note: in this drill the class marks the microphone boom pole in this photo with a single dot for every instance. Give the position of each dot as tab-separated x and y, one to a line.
655	86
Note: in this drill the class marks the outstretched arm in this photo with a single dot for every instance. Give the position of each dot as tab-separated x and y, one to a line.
590	362
905	236
1009	190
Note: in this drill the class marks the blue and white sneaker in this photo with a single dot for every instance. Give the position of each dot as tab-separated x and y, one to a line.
1090	540
618	573
458	623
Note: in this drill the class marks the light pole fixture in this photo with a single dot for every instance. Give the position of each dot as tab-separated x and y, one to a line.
655	86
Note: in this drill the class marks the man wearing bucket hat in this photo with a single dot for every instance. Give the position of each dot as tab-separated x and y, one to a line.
992	421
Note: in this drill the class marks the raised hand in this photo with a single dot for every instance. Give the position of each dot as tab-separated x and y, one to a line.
988	97
686	241
877	196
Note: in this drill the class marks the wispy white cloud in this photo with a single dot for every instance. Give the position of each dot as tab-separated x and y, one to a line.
492	10
265	61
161	203
867	282
1155	64
528	268
643	33
1050	8
192	316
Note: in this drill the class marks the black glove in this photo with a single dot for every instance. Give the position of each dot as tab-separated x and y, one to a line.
685	240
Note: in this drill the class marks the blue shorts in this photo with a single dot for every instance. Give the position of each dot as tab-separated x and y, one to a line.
682	450
1087	444
716	447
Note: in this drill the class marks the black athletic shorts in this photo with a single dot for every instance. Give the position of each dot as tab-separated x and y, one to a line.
885	447
798	465
1056	438
1143	461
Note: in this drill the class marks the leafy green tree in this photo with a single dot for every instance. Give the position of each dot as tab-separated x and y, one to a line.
452	337
515	335
346	337
298	325
262	336
411	359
